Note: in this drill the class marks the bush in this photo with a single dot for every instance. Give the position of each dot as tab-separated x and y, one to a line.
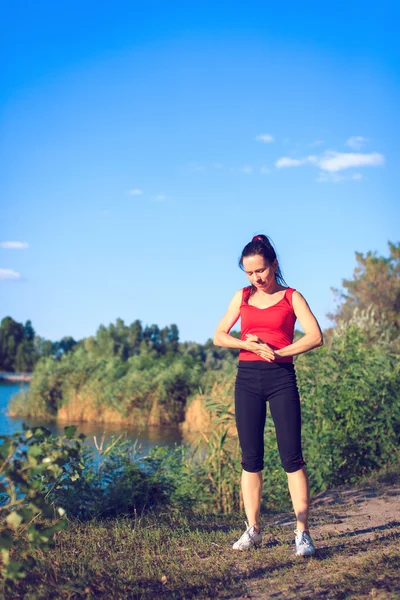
129	387
115	481
350	408
33	463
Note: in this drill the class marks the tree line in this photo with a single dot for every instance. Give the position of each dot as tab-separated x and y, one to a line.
21	348
375	289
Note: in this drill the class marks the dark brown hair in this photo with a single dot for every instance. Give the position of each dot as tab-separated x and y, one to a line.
262	245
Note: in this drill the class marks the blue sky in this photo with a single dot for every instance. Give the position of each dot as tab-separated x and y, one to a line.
143	146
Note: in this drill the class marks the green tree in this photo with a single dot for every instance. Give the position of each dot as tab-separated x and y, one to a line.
29	332
26	355
66	344
375	286
135	336
172	339
43	347
11	335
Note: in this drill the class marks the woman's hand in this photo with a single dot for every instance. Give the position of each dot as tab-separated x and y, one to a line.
254	344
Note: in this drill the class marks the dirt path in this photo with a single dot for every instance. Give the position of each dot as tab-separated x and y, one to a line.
362	512
356	532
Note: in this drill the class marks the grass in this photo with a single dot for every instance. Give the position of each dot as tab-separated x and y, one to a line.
177	556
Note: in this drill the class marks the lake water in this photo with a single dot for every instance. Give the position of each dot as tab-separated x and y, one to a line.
146	438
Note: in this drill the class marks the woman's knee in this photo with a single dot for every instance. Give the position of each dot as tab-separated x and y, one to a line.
291	465
252	465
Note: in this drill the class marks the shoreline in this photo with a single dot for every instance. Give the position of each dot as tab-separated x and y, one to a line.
15	377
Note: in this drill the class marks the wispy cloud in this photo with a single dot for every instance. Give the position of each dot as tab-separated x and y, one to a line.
316	143
356	142
264	169
333	162
286	161
337	161
135	192
160	197
9	274
14	245
266	138
218	165
247	169
337	177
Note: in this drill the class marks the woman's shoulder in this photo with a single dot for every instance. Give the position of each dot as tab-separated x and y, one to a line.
297	298
291	290
244	290
290	295
242	294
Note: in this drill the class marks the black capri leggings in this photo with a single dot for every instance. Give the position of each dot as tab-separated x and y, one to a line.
256	383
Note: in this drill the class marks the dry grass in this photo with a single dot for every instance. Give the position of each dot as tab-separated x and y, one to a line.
179	556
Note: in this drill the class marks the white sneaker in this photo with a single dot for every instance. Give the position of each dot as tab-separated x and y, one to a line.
304	543
248	539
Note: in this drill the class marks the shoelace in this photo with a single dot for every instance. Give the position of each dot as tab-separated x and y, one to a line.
246	535
304	538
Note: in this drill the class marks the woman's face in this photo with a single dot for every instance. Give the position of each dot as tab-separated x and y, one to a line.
260	272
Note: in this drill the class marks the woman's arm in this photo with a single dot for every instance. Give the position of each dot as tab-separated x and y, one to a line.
312	337
222	337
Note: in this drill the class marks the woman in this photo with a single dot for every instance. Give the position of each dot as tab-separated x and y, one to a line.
268	312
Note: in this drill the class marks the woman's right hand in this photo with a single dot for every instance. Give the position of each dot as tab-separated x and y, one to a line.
259	347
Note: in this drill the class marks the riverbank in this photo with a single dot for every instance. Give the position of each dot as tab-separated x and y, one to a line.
193	415
356	531
15	377
84	408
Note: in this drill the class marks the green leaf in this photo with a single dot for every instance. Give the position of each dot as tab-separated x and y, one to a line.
35	450
6	540
5	555
38	432
14	520
69	431
41	431
5	448
15	571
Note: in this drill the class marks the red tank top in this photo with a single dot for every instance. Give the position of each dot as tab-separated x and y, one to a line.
274	324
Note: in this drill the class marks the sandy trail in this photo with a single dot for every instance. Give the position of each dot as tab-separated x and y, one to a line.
350	526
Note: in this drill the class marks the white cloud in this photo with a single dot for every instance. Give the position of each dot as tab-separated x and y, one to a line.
337	177
135	192
14	245
265	137
247	169
356	142
9	274
160	197
337	161
286	161
316	143
333	162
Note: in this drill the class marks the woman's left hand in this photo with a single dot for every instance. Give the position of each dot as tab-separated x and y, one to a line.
254	338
